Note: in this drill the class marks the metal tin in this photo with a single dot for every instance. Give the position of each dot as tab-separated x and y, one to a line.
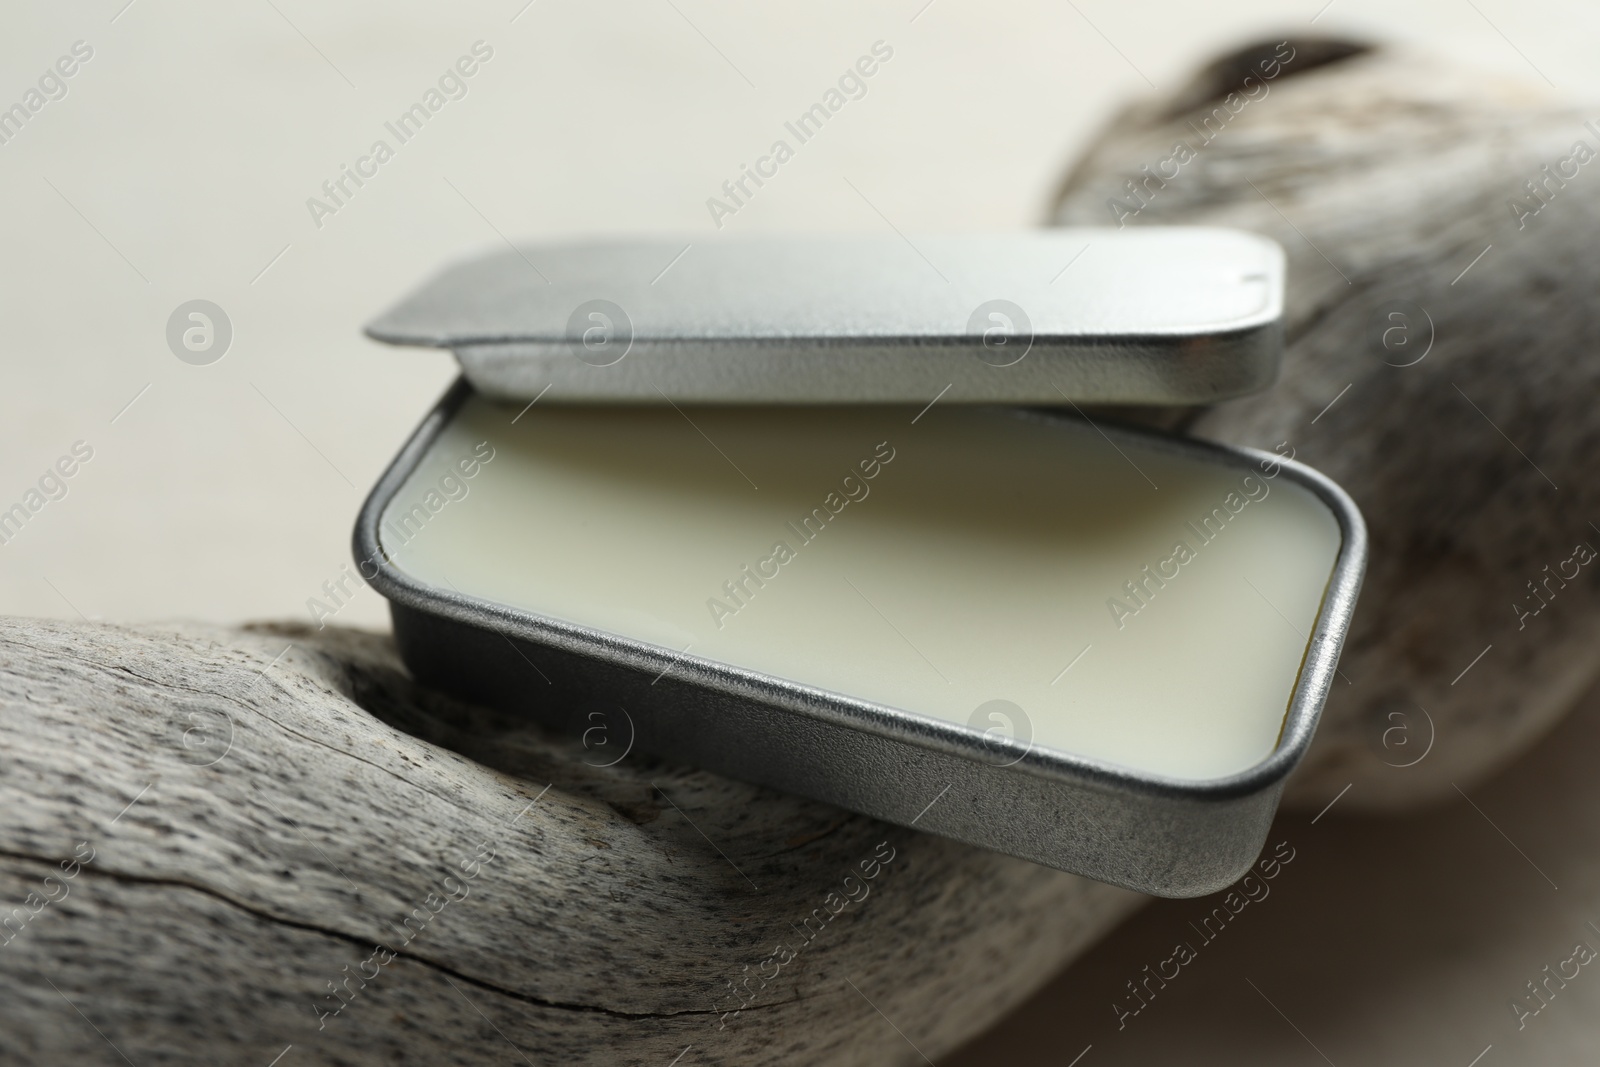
1159	835
1147	315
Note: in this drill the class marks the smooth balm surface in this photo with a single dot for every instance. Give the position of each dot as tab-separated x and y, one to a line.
1139	606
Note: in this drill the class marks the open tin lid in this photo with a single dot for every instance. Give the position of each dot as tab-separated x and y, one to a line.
1175	315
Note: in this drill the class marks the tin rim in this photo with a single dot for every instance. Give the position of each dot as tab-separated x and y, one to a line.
1312	685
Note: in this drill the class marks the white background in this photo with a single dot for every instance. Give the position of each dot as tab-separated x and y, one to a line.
191	140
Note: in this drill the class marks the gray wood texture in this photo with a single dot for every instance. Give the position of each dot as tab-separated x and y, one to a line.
221	843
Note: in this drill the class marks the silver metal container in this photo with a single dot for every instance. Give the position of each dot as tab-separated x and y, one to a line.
1159	835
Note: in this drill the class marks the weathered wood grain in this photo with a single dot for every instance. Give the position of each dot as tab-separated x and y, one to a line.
255	825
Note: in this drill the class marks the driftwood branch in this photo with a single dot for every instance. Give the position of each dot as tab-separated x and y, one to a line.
219	843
